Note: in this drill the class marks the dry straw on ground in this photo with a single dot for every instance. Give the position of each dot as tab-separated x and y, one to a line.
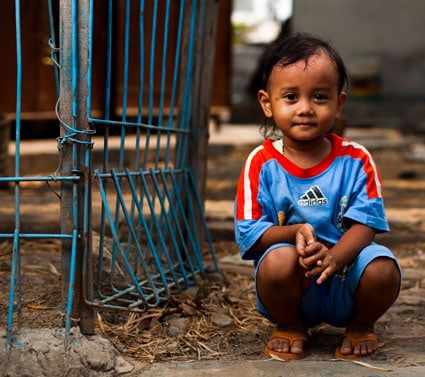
213	320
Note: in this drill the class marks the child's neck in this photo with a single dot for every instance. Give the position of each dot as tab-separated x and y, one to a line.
306	154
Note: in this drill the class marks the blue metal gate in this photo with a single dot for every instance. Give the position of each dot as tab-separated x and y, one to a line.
132	224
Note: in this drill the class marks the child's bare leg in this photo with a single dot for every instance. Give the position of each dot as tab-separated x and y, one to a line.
378	289
280	284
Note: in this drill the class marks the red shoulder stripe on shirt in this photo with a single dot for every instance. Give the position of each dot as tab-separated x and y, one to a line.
246	204
373	182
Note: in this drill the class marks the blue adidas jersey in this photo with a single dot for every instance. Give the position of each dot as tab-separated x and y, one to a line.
345	186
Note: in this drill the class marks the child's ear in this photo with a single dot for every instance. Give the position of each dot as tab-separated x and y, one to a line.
341	100
264	100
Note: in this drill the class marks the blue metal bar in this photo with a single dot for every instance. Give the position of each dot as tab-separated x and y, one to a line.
18	109
175	81
75	65
124	102
164	65
52	43
90	59
36	235
87	227
181	150
200	208
135	124
141	61
163	81
106	132
38	179
15	270
141	83
139	113
126	60
109	55
151	85
14	279
142	172
71	282
152	61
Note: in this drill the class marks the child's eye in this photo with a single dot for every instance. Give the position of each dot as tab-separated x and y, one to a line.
320	96
290	96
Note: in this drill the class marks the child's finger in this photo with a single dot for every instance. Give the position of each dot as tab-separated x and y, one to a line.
302	263
324	275
300	242
313	248
311	262
305	236
313	272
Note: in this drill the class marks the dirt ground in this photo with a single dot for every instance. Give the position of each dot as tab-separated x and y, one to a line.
217	319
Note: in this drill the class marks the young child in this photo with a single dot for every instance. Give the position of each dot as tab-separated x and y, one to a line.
308	206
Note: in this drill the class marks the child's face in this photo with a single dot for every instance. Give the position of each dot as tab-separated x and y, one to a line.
302	98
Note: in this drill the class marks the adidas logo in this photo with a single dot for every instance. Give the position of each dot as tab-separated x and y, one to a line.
313	197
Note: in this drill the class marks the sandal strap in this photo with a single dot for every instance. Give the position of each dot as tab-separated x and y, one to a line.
291	337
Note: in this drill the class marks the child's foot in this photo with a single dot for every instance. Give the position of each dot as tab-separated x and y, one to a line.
357	342
286	344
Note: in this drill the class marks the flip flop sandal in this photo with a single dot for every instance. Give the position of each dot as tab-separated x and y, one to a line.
291	337
355	339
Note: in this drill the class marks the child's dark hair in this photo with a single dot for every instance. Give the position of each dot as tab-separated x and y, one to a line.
300	46
293	48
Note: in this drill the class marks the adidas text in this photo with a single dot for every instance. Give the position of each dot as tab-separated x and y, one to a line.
312	202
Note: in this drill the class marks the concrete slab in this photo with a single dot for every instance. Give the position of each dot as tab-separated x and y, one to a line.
258	368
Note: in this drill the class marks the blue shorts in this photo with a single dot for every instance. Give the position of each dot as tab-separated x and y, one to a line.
332	302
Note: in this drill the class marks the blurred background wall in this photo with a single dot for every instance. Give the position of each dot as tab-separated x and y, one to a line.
385	37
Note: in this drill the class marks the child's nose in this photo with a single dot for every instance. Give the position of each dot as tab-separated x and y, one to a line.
305	107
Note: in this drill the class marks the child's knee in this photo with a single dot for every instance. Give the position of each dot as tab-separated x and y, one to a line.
279	265
383	271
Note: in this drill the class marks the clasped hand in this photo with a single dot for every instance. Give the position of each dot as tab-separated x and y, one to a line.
314	256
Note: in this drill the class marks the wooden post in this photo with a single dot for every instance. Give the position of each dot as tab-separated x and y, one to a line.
202	93
73	112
